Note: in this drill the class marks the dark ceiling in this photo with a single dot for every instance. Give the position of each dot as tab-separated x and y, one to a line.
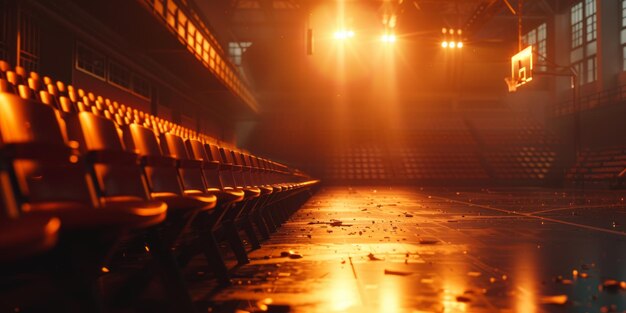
480	19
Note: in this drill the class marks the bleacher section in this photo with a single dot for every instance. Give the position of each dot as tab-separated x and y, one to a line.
515	149
601	167
91	187
498	148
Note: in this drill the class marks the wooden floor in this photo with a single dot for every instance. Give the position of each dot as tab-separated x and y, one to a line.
381	249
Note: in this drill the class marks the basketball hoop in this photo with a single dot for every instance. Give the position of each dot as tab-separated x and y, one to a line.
512	84
521	69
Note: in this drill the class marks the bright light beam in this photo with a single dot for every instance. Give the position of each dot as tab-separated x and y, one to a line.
388	38
344	34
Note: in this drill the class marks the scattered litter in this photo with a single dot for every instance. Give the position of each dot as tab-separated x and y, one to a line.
608	308
290	254
428	241
612	285
463	299
372	257
335	223
474	274
398	273
408	215
426	281
558	299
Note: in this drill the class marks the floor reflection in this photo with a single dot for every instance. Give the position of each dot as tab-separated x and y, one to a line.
406	250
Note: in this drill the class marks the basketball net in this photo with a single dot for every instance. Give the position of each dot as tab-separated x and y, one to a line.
512	84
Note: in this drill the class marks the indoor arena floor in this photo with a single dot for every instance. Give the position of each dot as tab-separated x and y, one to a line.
408	249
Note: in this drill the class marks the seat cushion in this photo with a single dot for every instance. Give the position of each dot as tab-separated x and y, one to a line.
251	192
114	215
227	195
27	235
189	202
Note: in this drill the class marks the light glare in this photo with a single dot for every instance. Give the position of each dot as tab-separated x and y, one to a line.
388	38
444	44
344	34
452	44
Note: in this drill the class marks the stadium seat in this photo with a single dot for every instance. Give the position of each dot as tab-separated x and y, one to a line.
161	172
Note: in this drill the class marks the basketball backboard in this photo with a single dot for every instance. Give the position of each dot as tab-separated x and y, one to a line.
521	69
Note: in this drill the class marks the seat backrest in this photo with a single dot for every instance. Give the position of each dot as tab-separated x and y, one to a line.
227	155
211	174
44	170
189	169
161	172
196	150
116	170
229	177
213	152
8	207
4	66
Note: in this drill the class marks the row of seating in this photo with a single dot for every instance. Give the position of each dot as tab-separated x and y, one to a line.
85	181
603	167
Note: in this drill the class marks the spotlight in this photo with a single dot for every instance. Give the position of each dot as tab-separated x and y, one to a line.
452	44
459	44
444	44
444	30
388	38
344	34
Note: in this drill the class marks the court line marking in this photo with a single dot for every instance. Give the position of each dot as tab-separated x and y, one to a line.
549	219
597	206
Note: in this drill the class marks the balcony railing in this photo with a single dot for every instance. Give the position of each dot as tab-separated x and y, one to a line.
193	33
587	102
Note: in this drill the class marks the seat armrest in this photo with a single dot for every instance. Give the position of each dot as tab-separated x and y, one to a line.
158	161
113	157
188	163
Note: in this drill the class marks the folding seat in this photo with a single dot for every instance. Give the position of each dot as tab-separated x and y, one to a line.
191	173
161	172
47	80
120	179
21	71
23	236
13	79
49	180
5	86
61	89
4	67
236	169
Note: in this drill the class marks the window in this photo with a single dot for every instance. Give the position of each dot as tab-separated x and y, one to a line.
577	25
236	50
29	42
584	45
90	61
537	37
4	30
119	75
141	86
623	35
